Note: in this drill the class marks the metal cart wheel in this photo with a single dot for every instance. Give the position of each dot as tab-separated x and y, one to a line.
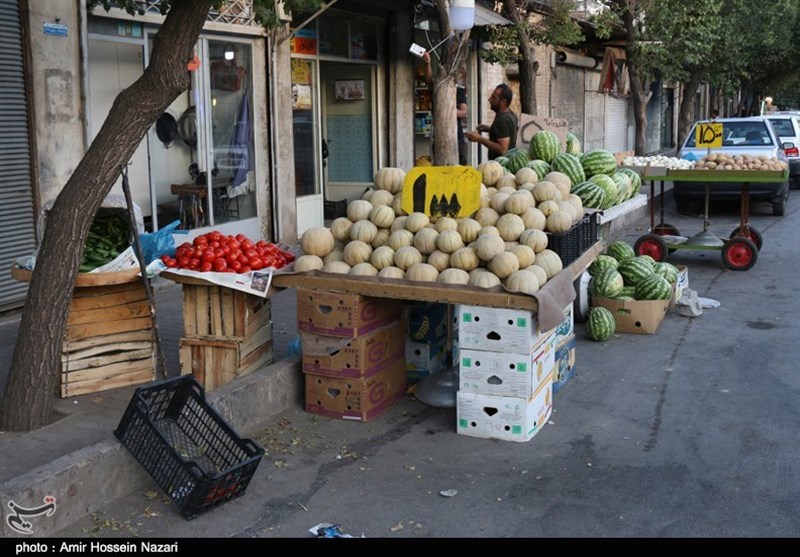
739	254
752	234
653	245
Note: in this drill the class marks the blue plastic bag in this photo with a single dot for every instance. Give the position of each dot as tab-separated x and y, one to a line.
156	244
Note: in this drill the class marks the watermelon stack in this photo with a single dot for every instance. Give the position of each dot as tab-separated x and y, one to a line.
517	158
600	325
570	165
545	146
598	161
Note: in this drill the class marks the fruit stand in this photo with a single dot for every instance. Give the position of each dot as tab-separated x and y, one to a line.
740	250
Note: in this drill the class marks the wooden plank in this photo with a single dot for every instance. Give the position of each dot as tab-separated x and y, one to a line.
215	309
85	279
185	358
85	330
259	357
103	340
228	312
379	287
109	371
240	307
104	290
130	310
108	299
262	336
79	355
115	382
262	318
201	309
70	364
189	310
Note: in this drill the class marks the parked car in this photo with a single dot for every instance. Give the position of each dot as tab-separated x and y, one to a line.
787	125
753	135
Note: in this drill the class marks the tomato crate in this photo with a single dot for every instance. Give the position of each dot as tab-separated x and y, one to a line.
571	244
193	455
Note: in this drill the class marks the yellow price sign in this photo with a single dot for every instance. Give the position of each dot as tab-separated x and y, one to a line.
442	191
708	135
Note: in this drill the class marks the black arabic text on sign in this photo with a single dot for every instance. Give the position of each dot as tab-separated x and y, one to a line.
708	135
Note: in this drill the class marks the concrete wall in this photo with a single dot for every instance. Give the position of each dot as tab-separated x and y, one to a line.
55	68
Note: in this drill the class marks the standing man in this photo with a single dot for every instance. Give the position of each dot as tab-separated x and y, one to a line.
503	131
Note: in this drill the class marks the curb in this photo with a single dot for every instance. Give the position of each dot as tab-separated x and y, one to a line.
90	478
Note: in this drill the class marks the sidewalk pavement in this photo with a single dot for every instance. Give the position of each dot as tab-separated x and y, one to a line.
77	456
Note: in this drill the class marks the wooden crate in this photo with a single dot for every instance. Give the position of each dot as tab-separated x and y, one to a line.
109	341
223	313
215	361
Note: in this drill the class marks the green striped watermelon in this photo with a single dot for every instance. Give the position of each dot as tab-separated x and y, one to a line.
624	184
627	292
653	287
573	144
620	250
502	160
636	180
569	165
609	187
539	166
517	158
606	284
592	196
666	270
647	258
598	161
633	270
601	262
544	145
600	324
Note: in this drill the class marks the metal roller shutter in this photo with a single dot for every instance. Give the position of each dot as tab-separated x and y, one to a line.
17	226
616	124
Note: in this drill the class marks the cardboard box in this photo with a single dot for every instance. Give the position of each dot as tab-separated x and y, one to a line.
564	368
681	284
343	315
427	321
506	374
507	418
356	399
423	359
635	316
498	330
360	357
564	331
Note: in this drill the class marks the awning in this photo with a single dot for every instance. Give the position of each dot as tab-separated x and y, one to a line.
485	16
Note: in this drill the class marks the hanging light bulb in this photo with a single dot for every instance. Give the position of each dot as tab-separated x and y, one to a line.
462	14
229	52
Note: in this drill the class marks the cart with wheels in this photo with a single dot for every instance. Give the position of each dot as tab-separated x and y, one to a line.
739	251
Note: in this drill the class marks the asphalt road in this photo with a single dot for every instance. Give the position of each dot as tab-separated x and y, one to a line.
689	432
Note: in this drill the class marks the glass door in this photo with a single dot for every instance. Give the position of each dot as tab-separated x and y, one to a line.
309	150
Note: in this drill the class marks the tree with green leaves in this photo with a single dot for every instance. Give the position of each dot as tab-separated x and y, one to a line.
534	23
28	399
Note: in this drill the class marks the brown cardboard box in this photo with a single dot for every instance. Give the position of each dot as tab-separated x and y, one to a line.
343	315
355	358
356	399
635	316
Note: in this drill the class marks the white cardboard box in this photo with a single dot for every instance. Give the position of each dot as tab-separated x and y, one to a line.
498	330
501	417
682	283
506	374
564	331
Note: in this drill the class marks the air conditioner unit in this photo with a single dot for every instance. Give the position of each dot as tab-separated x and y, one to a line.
281	12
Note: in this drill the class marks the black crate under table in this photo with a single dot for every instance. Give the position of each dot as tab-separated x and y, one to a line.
570	245
185	445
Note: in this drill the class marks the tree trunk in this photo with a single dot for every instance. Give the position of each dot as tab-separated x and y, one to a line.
641	95
527	76
445	138
35	367
686	109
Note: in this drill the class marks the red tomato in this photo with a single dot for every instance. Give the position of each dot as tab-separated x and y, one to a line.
256	263
216	236
206	266
184	262
234	266
226	249
186	245
247	244
194	264
218	253
233	243
213	244
208	255
251	252
244	269
200	241
231	257
243	259
220	264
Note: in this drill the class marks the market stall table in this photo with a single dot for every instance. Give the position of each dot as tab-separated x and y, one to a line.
739	251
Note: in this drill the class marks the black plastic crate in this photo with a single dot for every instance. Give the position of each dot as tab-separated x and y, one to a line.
571	244
335	209
186	446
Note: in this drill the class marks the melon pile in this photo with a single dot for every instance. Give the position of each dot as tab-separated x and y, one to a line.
593	175
503	242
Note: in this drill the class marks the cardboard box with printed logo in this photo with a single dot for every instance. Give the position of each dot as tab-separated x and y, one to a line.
634	316
343	315
498	330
